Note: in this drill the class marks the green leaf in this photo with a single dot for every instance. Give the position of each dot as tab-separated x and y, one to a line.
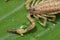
13	15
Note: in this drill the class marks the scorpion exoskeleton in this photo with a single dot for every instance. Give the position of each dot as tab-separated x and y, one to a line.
43	9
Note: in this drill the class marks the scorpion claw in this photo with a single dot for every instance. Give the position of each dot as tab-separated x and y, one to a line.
18	31
12	31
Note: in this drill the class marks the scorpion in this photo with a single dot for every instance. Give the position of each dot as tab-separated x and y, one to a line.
37	9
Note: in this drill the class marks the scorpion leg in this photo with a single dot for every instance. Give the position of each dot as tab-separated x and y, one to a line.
37	2
27	4
37	18
45	20
33	3
53	18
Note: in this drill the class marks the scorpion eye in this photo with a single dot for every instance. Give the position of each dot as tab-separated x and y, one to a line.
31	10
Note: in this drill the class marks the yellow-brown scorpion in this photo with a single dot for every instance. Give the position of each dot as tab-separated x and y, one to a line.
42	9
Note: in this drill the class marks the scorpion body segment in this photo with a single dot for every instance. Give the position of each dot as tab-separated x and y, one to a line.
46	8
